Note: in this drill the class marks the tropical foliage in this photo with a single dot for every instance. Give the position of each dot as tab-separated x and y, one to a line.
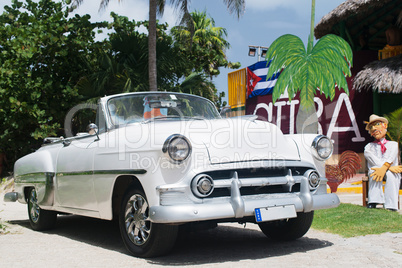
157	7
204	44
394	131
122	65
43	55
198	84
50	61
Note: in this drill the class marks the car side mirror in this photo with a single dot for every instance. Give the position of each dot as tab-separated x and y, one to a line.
93	129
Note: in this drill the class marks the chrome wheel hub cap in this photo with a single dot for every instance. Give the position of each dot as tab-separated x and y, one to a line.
137	223
34	211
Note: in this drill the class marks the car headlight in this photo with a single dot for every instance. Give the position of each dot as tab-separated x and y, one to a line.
177	147
322	147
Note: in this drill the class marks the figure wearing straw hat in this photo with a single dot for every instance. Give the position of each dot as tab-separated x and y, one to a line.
382	163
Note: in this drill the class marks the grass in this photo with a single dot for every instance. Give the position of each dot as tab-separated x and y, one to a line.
5	183
350	220
2	228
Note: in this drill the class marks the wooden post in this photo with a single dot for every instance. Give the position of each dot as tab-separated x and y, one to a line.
365	190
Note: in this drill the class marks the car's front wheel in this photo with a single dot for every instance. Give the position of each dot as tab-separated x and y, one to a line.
288	229
39	219
140	236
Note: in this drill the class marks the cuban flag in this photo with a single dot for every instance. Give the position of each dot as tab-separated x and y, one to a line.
257	82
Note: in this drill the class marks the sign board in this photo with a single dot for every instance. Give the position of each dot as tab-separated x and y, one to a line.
341	119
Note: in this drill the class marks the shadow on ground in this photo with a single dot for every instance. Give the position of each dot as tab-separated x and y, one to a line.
222	244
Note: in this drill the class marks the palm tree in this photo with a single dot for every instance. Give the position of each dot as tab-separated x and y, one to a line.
322	68
157	6
121	65
199	84
204	43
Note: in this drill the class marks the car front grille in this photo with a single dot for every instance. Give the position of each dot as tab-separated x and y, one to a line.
245	175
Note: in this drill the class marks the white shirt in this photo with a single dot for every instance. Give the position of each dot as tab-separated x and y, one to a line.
375	158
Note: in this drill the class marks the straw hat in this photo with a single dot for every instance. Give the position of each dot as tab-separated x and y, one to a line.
374	118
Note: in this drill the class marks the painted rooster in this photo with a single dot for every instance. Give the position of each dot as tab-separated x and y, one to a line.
349	164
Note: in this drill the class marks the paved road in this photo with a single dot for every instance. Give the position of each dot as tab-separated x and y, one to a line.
86	242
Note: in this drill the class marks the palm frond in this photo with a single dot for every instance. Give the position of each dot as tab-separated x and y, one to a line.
335	42
284	57
74	4
236	6
333	77
394	130
160	7
290	79
103	5
307	89
323	69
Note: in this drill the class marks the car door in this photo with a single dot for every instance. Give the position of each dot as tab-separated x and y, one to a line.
74	175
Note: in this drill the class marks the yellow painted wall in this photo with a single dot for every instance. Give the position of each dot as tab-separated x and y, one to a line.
237	91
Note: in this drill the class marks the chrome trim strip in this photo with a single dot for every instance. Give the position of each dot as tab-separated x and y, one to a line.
43	183
103	172
36	177
122	171
78	173
288	181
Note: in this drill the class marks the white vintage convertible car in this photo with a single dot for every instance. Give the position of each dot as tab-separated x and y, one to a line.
158	160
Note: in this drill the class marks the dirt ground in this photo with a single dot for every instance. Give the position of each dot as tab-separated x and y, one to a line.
85	242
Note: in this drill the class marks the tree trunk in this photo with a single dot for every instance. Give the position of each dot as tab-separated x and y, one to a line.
306	120
152	46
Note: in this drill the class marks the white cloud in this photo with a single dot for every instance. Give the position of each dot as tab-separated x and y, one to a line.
137	10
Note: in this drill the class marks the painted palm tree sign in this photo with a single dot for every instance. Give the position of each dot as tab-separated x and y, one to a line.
319	68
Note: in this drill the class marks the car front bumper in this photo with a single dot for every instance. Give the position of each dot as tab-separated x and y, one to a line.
237	206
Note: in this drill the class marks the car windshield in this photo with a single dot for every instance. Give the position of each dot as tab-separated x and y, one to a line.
148	107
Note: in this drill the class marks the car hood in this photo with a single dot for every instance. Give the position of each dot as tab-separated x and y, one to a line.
231	140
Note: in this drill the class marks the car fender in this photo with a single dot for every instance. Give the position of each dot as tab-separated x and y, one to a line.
37	170
304	143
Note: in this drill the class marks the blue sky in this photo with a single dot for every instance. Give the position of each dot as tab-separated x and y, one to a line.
263	21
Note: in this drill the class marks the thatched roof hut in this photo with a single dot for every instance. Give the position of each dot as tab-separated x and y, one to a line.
399	20
381	75
355	20
363	24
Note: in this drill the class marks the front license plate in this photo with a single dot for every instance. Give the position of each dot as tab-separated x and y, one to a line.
275	213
